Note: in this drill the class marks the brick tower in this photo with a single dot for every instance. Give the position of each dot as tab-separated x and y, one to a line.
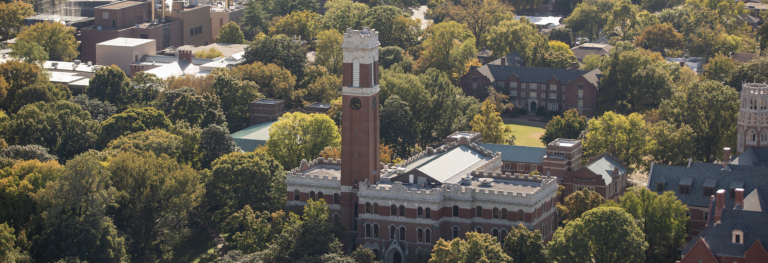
360	121
753	117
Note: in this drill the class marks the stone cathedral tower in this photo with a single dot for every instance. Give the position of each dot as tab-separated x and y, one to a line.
360	119
753	117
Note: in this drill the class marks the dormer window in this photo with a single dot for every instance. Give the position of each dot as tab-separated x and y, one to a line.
709	191
660	187
685	185
738	237
685	189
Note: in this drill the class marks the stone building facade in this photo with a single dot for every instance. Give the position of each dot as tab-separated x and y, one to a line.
752	130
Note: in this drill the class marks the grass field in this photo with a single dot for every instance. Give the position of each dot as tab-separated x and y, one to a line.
526	134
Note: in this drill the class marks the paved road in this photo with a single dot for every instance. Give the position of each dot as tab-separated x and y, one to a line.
419	13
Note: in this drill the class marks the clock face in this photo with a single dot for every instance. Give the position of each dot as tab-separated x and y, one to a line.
355	103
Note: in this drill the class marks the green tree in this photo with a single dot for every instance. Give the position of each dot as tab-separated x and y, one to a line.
57	39
635	80
86	238
198	110
394	26
21	183
252	231
622	19
29	52
523	245
478	15
12	15
284	7
255	19
363	255
396	119
601	235
711	110
343	14
17	75
446	108
720	68
40	92
593	61
325	89
235	96
512	36
662	36
590	17
215	141
708	36
329	53
756	70
230	33
491	126
662	218
390	55
109	84
155	197
9	251
27	152
99	110
477	248
241	179
155	141
298	136
144	89
560	59
209	53
278	50
448	47
304	24
579	202
130	121
62	127
191	152
763	35
569	126
670	144
564	35
624	137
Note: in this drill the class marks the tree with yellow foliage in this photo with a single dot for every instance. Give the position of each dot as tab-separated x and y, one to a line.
492	127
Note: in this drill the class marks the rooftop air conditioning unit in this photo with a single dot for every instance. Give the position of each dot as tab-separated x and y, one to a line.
77	62
98	27
89	64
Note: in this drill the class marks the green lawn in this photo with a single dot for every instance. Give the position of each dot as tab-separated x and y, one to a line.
526	134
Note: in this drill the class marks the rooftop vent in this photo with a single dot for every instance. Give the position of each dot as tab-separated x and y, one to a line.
486	182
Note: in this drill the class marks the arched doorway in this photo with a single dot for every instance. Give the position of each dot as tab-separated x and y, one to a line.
533	106
397	257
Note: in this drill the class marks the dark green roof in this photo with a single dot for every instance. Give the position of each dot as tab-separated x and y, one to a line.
517	154
250	138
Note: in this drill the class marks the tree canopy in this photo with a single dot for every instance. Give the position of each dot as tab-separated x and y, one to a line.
298	136
579	202
569	126
478	247
523	245
491	126
278	50
57	39
448	47
230	33
235	96
12	15
624	137
132	120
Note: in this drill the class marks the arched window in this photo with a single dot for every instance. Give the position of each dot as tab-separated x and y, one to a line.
479	211
495	233
419	237
296	195
319	195
402	233
428	236
504	213
503	235
454	232
455	210
427	213
312	196
752	136
336	218
376	254
336	199
520	215
356	212
402	210
393	210
479	230
367	230
495	213
420	212
376	208
764	137
367	208
376	231
392	232
544	229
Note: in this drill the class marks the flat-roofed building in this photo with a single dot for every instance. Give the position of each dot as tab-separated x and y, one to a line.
124	51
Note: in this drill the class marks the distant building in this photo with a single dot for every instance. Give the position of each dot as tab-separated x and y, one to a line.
754	22
542	22
583	50
743	57
696	64
222	15
196	22
123	51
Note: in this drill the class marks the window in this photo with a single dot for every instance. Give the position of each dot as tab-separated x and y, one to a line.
479	230
454	232
191	32
319	195
502	235
500	84
738	237
709	191
427	213
543	95
479	211
533	85
533	95
393	210
520	167
474	79
553	106
581	86
522	94
544	229
522	85
105	15
581	94
402	233
581	103
513	93
200	29
114	24
428	236
367	208
392	232
402	210
376	231
367	230
513	84
553	96
706	214
455	210
420	212
312	196
659	187
356	212
504	213
733	193
355	73
685	189
495	233
520	215
376	208
336	199
495	213
419	237
143	36
534	167
552	87
296	195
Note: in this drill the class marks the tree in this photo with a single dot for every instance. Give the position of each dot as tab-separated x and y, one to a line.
190	153
284	7
491	126
40	92
154	218
569	126
564	35
560	59
62	127
720	68
144	89
324	89
12	15
198	110
448	47
763	33
396	119
363	255
99	110
756	70
200	84
479	16
215	141
512	36
343	14
109	84
523	245
155	141
477	248
27	152
624	137
235	96
669	144
17	75
304	24
56	38
655	6
252	230
278	50
29	52
255	19
390	55
230	33
329	53
662	36
22	181
579	202
9	251
707	36
273	81
210	53
130	121
711	110
593	61
621	19
678	16
252	178
662	218
298	136
590	17
635	80
393	31
601	235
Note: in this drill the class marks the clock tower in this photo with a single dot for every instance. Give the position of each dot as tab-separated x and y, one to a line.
360	119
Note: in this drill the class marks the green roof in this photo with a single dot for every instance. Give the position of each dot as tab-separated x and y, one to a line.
250	138
517	154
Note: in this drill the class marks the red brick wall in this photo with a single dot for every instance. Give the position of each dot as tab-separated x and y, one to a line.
589	98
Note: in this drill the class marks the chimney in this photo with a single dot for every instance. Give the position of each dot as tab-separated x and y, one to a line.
726	156
152	7
136	69
740	197
720	204
185	54
503	62
574	66
682	64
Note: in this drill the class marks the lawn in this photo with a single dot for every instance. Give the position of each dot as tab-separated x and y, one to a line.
526	134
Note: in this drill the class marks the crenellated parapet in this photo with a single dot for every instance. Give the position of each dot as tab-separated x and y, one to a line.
307	174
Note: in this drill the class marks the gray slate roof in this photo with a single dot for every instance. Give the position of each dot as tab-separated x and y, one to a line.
752	157
513	59
530	74
517	154
250	138
749	177
604	167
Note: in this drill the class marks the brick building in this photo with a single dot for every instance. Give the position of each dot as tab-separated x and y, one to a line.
752	129
554	89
